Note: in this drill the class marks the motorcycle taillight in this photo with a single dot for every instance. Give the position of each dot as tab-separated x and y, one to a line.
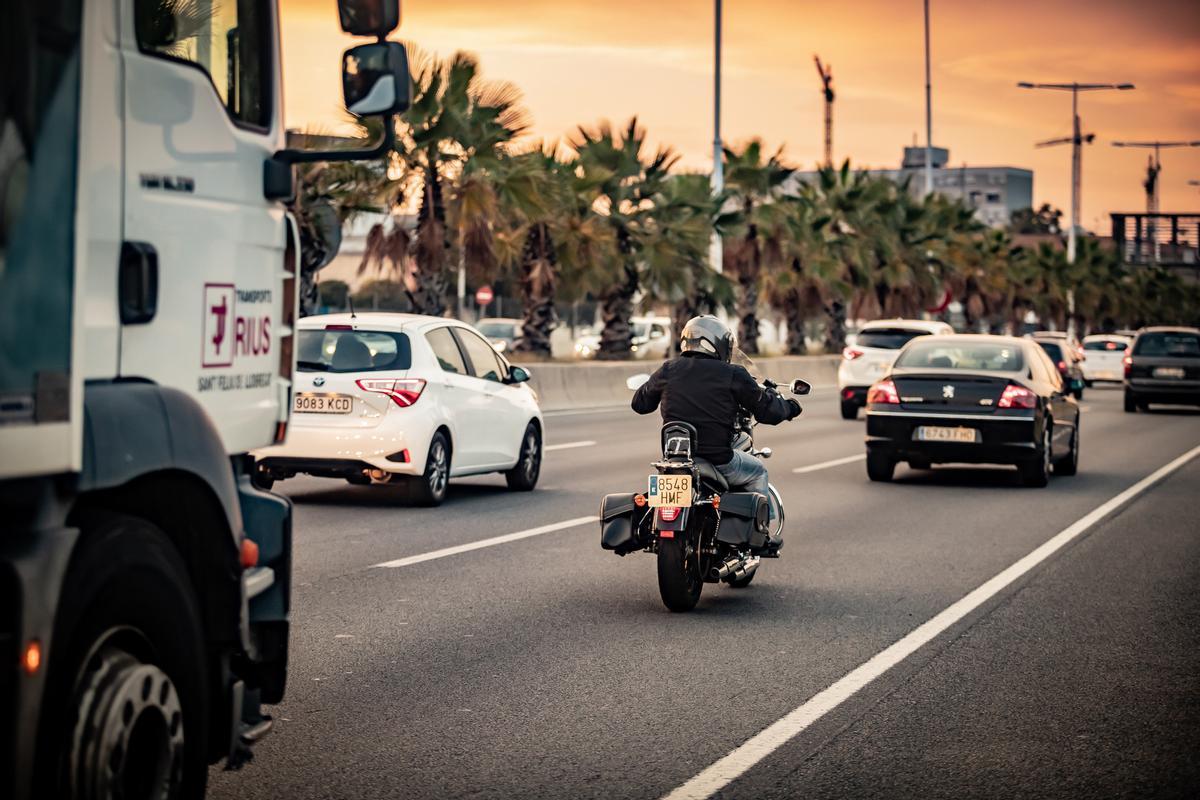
668	514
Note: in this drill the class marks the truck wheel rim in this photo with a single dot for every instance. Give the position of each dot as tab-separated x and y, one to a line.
128	735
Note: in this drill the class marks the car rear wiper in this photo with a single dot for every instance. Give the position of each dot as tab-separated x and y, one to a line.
316	366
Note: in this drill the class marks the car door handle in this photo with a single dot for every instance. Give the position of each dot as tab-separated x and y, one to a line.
137	283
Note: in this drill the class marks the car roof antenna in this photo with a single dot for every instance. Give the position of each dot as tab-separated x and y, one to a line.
350	300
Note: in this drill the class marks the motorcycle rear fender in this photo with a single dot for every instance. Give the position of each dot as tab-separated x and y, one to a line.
680	522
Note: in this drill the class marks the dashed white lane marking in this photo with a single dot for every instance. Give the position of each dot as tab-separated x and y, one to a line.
837	462
723	772
567	446
482	543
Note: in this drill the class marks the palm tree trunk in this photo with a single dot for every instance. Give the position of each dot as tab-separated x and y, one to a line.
793	313
835	334
538	268
432	247
748	305
616	306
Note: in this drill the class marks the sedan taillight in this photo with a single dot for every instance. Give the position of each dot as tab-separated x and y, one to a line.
1017	397
403	391
1128	362
850	353
883	392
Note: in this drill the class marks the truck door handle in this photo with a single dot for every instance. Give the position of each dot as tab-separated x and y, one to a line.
137	283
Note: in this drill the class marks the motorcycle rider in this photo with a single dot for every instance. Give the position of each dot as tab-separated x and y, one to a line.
702	387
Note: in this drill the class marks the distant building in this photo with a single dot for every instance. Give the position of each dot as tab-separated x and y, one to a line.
994	192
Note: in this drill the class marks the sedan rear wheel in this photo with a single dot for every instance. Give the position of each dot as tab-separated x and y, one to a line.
1070	464
524	476
1130	403
849	409
429	489
880	467
1036	474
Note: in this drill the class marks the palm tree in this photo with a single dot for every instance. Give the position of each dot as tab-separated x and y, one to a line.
625	181
808	280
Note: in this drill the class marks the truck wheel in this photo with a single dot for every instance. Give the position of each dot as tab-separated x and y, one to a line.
849	409
524	476
127	705
429	489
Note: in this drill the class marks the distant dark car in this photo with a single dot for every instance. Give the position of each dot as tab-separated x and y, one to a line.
1067	358
973	399
1163	366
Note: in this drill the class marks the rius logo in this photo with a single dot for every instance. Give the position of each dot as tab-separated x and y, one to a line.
948	392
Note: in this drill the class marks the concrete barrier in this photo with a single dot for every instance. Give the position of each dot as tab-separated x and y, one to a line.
601	384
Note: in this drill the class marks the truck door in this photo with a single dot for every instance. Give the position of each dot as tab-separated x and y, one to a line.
203	252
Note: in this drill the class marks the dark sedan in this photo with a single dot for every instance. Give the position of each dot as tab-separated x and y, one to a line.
973	399
1163	366
1067	357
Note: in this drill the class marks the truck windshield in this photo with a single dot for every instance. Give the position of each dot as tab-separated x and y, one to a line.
352	351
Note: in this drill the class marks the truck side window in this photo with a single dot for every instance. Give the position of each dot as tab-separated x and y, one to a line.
227	39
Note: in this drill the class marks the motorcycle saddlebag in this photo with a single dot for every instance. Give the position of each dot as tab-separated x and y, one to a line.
617	513
743	519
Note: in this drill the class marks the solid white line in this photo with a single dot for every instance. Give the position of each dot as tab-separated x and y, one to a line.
567	446
723	772
837	462
482	543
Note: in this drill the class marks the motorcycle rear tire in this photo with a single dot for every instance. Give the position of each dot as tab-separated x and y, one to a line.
679	580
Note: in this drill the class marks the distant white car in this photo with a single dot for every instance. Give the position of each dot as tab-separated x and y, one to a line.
502	332
651	339
1103	357
384	397
875	348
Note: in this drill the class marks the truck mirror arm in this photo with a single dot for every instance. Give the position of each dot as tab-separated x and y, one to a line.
279	181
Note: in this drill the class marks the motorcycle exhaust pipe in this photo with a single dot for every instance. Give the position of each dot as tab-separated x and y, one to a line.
746	568
726	568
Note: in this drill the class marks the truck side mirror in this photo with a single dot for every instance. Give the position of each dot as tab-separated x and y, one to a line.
369	17
375	79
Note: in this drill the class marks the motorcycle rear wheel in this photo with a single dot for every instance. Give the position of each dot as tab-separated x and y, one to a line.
679	580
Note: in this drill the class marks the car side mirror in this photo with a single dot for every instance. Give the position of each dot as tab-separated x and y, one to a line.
636	382
800	387
369	17
518	375
375	79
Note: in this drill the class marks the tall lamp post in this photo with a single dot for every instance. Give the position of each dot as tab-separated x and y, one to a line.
1077	140
928	111
716	254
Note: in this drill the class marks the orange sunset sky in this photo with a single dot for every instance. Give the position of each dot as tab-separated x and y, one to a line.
580	61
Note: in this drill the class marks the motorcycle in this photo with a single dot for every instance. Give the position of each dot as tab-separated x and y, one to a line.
700	531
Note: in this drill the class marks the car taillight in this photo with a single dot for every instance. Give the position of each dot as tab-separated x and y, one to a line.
1062	366
883	392
1017	397
850	353
1128	362
668	514
403	391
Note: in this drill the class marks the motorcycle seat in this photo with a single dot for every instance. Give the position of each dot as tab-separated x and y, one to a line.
710	476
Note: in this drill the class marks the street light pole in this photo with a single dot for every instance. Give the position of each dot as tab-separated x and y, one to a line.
718	175
928	111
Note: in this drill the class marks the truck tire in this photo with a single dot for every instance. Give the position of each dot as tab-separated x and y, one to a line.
126	709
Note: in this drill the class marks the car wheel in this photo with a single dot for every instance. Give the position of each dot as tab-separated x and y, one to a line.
1078	392
1130	403
1036	474
849	409
1088	384
429	489
262	479
524	476
880	467
1143	407
1070	464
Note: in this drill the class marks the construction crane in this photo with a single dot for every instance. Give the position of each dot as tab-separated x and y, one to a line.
826	73
1153	168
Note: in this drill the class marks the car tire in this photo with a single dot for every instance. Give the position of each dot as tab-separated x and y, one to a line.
1036	474
849	409
1131	405
429	488
128	685
524	476
262	479
1078	392
1069	465
1088	384
880	467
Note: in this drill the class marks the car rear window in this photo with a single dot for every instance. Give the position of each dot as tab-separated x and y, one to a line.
338	350
498	330
1054	351
984	356
1179	345
1109	345
886	338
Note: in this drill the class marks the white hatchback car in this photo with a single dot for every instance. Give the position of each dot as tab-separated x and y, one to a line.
385	397
875	348
1104	357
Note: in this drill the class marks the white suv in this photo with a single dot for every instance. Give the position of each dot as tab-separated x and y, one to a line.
868	359
1104	357
384	397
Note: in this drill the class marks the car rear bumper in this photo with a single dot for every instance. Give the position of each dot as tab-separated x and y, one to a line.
1002	439
1155	391
331	451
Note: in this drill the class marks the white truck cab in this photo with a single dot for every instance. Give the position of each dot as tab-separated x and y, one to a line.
147	304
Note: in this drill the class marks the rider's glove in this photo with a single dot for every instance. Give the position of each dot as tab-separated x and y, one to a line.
796	409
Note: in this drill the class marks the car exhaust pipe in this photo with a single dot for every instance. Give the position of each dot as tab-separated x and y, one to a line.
379	476
726	568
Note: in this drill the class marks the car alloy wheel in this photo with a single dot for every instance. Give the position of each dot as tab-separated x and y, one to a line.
437	472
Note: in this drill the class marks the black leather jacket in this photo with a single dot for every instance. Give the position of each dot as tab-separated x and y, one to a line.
708	394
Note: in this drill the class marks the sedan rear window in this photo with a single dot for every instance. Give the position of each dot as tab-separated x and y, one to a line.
887	338
1054	351
338	350
983	356
1180	345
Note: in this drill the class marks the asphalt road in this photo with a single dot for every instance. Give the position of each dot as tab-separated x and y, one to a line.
546	667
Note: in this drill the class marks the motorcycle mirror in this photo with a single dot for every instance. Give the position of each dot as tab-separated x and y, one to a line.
801	387
636	382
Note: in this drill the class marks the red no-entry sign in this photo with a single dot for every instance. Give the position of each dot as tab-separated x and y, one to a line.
484	295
